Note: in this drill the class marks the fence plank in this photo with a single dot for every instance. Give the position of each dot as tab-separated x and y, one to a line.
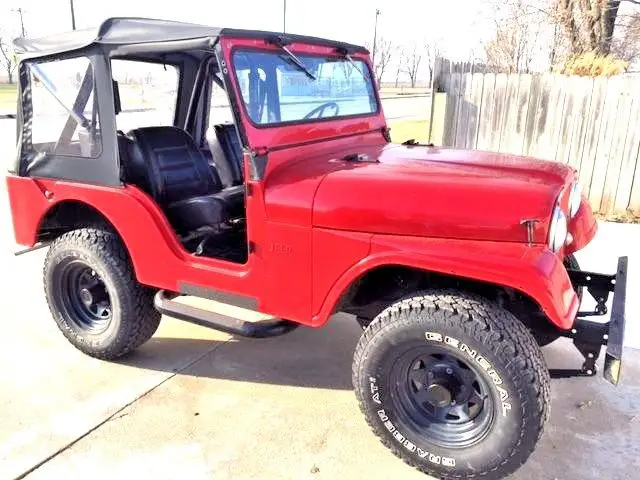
451	117
554	118
541	119
532	112
522	112
583	92
475	109
590	144
619	139
464	112
499	110
510	119
605	139
568	119
630	155
487	112
634	201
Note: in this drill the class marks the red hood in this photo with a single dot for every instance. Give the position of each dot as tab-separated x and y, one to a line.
416	190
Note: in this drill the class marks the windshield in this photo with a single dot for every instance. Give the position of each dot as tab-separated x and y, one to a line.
276	90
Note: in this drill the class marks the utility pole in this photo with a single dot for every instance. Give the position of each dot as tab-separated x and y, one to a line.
73	15
284	17
375	38
20	12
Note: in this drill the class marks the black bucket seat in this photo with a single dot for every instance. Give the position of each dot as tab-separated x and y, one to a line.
168	165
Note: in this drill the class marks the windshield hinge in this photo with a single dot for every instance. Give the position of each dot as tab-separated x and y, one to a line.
386	133
260	151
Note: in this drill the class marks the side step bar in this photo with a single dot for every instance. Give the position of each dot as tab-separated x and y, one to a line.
262	329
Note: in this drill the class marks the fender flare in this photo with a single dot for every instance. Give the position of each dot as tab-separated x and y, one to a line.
534	271
33	198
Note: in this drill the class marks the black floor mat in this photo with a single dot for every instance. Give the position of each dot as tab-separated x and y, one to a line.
230	245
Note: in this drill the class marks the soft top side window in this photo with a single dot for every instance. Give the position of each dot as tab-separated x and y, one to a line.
148	93
65	117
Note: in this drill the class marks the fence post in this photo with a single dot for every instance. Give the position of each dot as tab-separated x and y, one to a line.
435	74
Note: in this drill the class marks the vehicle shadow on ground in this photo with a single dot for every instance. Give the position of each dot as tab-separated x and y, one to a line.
592	423
306	357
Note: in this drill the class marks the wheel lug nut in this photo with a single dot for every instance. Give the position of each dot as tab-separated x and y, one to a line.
449	371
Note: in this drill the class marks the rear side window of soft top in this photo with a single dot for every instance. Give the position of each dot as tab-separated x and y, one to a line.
276	90
65	118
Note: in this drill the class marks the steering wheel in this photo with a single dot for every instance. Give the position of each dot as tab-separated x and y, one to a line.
321	108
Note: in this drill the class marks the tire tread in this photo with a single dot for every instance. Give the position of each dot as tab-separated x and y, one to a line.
140	325
490	324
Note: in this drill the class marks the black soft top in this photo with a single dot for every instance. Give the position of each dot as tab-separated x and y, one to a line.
120	31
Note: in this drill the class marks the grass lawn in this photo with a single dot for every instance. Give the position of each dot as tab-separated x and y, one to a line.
418	128
403	130
7	98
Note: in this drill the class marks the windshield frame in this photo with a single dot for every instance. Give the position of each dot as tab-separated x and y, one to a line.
276	52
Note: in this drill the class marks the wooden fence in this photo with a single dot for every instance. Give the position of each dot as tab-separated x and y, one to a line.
592	124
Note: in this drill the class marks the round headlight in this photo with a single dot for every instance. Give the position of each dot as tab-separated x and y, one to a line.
575	199
557	230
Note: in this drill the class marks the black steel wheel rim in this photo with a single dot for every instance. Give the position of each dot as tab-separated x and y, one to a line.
83	296
440	396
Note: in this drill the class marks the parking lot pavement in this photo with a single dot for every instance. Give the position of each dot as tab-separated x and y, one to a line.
194	403
51	394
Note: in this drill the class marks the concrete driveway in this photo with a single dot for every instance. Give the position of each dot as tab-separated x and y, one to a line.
194	403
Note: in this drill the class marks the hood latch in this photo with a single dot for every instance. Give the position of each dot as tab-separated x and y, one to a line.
529	225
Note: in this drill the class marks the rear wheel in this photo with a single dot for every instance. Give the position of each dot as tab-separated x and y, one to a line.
453	384
93	295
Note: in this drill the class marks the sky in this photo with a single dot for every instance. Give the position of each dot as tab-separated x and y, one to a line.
458	25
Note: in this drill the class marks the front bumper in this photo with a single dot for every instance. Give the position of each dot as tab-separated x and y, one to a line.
589	336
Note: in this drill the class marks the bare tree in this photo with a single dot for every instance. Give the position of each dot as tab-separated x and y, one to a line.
627	45
517	28
589	25
385	50
7	58
399	65
432	51
412	64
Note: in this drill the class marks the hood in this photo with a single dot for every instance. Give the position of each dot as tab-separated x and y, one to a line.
437	192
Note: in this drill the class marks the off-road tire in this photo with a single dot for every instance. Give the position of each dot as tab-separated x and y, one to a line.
489	332
133	321
545	337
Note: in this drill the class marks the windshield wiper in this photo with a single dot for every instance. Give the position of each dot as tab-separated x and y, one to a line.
282	44
353	64
347	54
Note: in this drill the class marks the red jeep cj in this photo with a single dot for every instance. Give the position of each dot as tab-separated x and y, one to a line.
458	265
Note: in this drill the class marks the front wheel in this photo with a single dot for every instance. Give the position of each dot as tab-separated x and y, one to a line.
453	384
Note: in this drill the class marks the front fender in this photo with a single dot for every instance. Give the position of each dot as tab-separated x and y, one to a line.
533	270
